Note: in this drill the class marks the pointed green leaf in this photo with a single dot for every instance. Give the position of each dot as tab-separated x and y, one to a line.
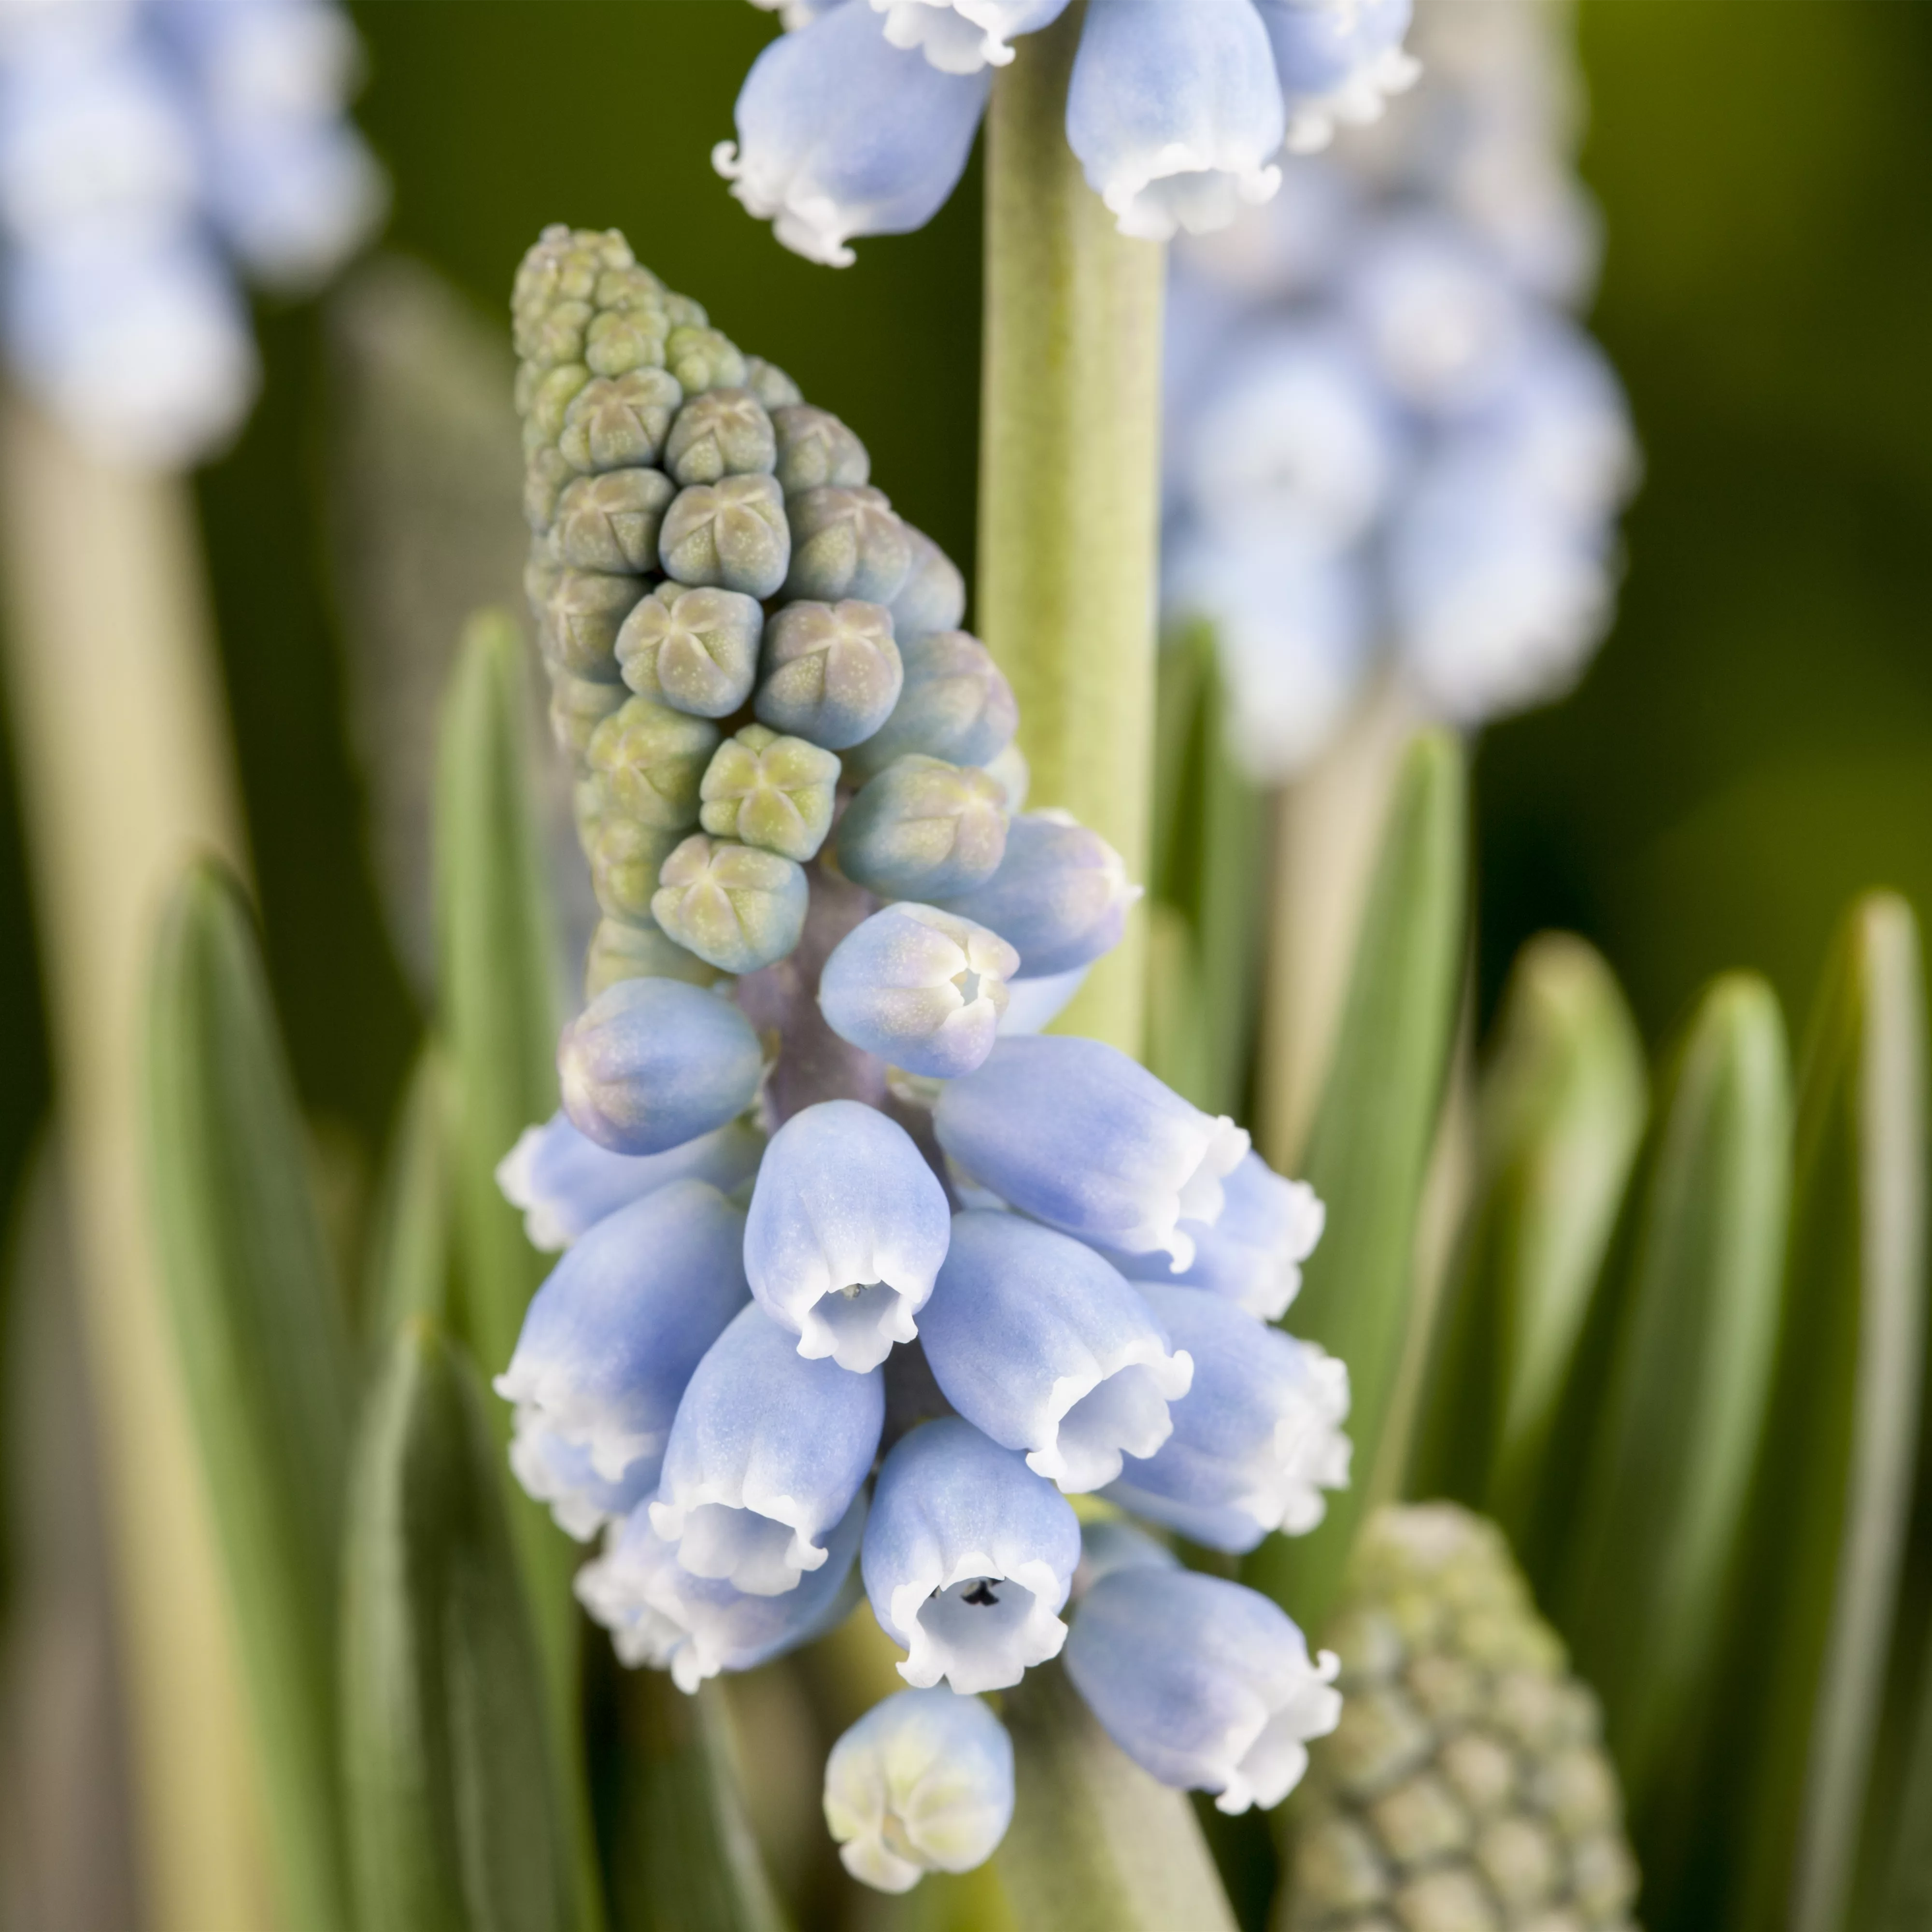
1652	1518
685	1858
264	1347
1368	1149
453	1809
409	1254
1905	1896
1771	1840
1560	1111
1096	1844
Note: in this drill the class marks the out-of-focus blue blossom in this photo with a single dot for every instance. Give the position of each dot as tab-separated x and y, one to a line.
765	1455
1042	1345
1075	1134
612	1338
1385	434
650	1064
143	143
922	1782
967	1559
1112	1543
859	120
566	1184
921	989
659	1614
1204	1683
1033	1005
1256	1439
848	1226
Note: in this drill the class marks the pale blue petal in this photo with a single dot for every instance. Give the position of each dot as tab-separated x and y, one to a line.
1033	1005
1337	63
1112	1543
1059	898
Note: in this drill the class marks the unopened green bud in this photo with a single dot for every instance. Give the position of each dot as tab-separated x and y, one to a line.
770	384
581	615
923	830
546	477
625	859
847	542
1465	1787
578	705
621	951
732	534
563	265
816	449
695	650
551	394
558	335
651	759
611	521
701	358
777	793
933	597
738	907
631	286
830	672
685	311
620	340
620	423
722	433
956	705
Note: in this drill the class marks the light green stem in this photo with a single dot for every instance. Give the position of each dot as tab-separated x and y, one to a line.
1068	485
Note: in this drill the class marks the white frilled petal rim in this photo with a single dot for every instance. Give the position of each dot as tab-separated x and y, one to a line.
978	1646
553	1395
1359	102
1107	1409
734	1529
1268	1749
1183	187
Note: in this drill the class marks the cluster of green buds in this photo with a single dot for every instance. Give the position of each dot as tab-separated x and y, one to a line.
734	622
1466	1788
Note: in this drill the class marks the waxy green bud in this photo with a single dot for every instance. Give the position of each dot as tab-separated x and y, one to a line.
933	597
582	611
830	672
652	760
633	286
1466	1789
626	857
695	650
777	793
816	449
732	534
619	424
558	334
621	951
847	542
620	340
551	395
738	907
722	433
923	830
701	358
546	477
956	705
563	267
578	705
685	311
611	521
770	384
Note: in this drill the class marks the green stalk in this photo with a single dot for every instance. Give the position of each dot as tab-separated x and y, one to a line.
1069	484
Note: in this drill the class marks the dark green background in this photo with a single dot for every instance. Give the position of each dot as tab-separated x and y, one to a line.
1752	747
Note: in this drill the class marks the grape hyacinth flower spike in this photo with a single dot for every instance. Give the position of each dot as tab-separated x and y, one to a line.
790	1342
859	120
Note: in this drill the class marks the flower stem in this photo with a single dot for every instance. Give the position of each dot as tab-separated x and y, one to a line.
1069	484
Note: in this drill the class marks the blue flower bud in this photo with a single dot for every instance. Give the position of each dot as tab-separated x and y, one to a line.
1256	1439
766	1454
1203	1683
919	987
1113	1544
956	705
651	760
566	1184
732	533
659	1614
620	951
722	433
1175	112
923	828
610	521
1337	63
848	1226
777	793
733	905
582	609
847	541
771	385
963	36
619	424
968	1557
1075	1134
1061	894
1251	1255
922	1782
840	133
815	448
612	1336
933	597
1038	1342
831	672
652	1063
695	650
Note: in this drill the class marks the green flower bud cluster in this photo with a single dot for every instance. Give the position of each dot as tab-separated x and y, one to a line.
1466	1788
736	625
